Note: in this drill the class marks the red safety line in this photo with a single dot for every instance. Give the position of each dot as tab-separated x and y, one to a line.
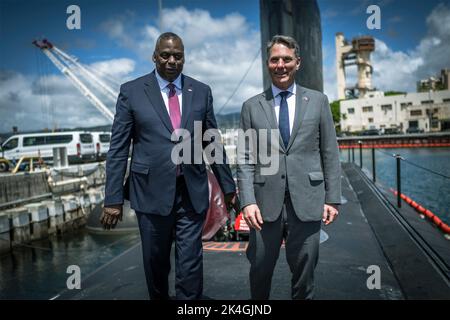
424	211
394	145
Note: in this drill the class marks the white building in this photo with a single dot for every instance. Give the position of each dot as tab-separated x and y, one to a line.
424	111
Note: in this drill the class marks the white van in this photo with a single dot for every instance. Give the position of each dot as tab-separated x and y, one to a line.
79	144
101	143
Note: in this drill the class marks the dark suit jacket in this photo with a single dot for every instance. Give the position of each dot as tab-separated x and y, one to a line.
142	119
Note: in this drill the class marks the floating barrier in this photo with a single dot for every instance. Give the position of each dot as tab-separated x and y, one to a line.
424	211
395	145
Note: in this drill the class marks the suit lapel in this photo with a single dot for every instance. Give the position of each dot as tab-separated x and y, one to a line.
301	102
267	105
187	99
153	93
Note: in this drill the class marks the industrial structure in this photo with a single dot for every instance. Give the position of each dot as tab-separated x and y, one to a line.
300	20
441	82
355	53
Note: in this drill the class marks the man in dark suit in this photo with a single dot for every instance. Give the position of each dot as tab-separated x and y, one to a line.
289	202
170	198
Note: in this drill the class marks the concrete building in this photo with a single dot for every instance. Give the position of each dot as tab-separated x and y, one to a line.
441	82
411	112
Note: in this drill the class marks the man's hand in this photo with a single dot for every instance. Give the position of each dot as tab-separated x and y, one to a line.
252	216
330	213
110	216
232	202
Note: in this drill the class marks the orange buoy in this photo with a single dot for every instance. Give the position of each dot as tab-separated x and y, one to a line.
437	221
421	209
429	214
444	227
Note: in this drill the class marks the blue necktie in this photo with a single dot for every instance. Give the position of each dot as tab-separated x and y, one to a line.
283	118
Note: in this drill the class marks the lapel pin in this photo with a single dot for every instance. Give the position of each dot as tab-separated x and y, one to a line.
305	98
189	89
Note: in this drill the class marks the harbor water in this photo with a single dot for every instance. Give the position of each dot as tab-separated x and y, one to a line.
39	270
429	189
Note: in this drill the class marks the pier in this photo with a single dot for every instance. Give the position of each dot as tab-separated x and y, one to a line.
35	205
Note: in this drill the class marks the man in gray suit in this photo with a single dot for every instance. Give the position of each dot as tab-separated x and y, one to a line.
290	203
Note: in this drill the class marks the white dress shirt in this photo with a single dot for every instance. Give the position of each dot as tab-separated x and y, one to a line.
290	101
165	91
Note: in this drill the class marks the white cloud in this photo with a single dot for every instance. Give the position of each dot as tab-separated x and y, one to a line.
397	70
117	68
222	67
34	103
51	85
394	70
197	26
218	50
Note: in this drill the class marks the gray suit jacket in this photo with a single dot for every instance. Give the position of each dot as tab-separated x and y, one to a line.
309	166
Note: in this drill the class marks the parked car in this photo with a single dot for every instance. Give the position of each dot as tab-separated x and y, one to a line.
101	141
414	130
392	131
5	165
343	134
371	132
79	146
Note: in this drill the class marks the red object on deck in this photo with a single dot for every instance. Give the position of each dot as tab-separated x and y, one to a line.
240	224
217	214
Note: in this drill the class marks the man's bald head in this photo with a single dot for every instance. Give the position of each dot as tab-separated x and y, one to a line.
169	56
167	36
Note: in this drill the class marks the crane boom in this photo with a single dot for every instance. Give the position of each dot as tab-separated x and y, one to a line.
109	92
46	48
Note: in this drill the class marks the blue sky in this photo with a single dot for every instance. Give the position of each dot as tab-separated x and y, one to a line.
221	38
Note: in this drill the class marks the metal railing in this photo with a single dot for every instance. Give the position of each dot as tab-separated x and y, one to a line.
31	164
399	159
